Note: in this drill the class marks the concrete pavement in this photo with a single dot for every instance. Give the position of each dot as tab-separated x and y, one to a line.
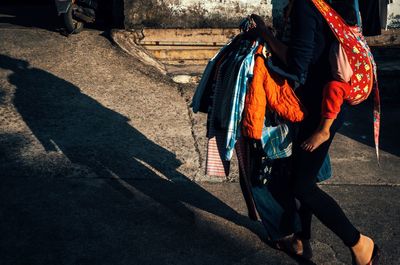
98	153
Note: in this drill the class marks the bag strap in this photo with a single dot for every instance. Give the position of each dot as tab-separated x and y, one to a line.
326	11
377	119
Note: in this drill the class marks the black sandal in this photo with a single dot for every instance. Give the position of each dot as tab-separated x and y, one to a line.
376	253
290	245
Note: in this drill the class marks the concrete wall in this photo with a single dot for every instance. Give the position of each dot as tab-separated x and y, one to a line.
211	13
394	14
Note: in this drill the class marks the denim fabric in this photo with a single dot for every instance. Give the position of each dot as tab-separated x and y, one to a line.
276	220
276	217
325	171
244	75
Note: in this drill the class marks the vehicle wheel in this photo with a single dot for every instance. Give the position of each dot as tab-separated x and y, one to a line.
73	26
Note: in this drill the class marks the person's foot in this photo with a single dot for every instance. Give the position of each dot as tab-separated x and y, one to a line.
363	250
295	246
318	138
290	245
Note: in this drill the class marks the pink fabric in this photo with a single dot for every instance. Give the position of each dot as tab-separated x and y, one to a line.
341	69
215	166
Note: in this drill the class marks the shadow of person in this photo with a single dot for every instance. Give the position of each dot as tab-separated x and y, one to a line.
87	133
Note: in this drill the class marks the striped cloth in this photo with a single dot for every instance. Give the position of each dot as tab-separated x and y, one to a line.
216	163
215	166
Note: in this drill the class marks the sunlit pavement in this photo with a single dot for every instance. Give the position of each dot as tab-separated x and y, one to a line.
97	156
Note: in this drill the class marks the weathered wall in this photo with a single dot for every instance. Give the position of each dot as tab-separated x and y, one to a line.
193	13
211	13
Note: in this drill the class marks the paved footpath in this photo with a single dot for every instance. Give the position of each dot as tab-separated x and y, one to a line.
98	153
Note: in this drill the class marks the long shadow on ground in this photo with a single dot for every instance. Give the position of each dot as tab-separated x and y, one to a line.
110	219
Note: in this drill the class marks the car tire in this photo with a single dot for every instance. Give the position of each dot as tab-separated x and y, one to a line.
72	26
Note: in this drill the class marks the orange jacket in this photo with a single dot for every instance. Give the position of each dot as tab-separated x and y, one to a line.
270	91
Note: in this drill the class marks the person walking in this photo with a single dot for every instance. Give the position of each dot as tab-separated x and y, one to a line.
306	57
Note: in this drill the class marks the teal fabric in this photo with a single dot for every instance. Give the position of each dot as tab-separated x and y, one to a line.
236	63
239	94
277	141
326	170
274	217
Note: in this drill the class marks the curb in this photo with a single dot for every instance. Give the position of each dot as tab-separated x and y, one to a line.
126	40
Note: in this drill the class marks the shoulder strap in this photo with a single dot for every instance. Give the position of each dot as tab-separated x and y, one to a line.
358	53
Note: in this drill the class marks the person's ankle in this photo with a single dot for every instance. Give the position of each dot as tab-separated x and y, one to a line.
325	133
306	249
363	249
362	243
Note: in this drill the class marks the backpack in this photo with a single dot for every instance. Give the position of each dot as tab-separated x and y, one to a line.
364	78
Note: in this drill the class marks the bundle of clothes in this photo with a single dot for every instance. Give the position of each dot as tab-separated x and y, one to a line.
244	98
247	101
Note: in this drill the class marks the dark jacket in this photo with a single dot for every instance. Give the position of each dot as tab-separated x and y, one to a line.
309	46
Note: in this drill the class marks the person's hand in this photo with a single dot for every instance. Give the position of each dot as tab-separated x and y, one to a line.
261	29
259	22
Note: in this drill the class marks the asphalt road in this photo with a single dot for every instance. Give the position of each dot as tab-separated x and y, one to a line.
97	154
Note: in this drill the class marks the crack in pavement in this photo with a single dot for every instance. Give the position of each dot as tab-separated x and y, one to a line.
192	124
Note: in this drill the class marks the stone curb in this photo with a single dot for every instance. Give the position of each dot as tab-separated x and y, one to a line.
126	40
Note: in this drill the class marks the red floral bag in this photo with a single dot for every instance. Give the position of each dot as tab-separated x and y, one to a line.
364	78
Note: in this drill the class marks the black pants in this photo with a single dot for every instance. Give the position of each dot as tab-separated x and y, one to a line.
306	166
